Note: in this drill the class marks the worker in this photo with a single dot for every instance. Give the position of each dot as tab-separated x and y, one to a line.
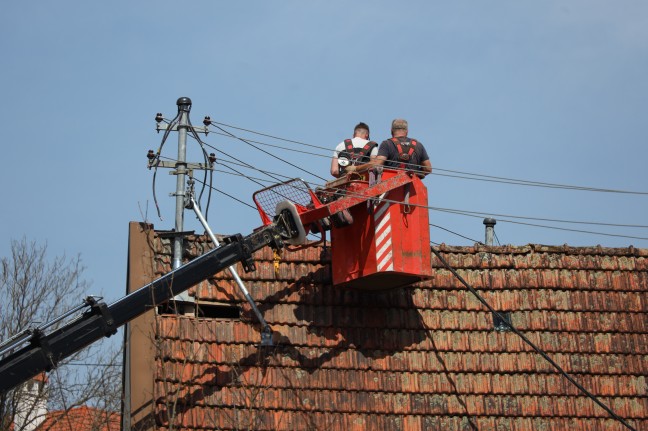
351	153
402	152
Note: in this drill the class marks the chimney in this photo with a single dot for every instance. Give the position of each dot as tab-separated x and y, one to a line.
32	404
490	230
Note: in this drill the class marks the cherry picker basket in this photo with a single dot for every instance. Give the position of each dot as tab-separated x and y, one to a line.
385	242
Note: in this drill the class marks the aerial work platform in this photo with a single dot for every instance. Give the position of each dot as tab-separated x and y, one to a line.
379	231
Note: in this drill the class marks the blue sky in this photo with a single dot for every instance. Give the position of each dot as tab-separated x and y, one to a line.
547	91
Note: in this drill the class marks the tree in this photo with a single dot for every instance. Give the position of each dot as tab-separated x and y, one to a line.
35	289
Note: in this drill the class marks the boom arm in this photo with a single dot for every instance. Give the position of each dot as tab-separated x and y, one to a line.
44	351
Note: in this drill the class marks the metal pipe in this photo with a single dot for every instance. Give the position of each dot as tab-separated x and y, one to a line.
490	230
22	336
266	334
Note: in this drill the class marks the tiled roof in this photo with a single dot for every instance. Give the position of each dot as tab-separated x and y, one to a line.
82	418
416	358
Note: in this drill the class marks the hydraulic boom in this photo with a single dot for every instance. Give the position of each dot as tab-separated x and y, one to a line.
37	351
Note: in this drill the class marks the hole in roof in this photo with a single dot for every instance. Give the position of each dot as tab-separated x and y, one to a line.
219	311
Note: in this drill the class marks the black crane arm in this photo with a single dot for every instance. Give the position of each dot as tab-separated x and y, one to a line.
44	351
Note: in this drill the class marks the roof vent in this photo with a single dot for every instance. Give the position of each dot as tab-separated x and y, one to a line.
490	230
502	321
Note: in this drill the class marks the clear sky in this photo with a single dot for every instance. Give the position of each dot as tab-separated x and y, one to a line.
546	91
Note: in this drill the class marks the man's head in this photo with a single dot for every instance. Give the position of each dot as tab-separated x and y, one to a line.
399	127
361	131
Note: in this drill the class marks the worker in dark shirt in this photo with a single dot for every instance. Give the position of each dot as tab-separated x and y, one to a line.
402	152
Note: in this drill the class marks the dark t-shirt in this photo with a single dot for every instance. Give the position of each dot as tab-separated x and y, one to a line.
389	150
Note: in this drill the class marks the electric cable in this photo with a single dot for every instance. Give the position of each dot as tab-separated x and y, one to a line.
481	213
471	289
236	172
206	161
472	214
535	183
455	233
259	170
270	154
85	364
233	197
170	125
228	163
459	212
267	135
294	150
209	195
476	214
467	213
479	177
270	174
529	342
518	333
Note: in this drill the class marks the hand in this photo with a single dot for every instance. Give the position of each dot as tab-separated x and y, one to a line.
350	168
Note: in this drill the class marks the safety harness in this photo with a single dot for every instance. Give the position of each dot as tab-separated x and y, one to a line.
356	155
403	156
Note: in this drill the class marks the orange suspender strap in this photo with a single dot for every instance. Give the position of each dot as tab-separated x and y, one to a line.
348	145
367	146
399	147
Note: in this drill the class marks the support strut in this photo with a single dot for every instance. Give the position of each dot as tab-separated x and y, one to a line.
266	333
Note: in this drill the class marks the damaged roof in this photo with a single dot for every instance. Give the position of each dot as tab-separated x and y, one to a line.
426	356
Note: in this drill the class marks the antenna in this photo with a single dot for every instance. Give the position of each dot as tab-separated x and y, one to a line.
181	168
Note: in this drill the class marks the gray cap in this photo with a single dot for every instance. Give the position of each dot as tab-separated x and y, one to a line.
399	123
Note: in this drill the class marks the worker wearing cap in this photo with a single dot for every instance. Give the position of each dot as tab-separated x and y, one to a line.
402	152
352	152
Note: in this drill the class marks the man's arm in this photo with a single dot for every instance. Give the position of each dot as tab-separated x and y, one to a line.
372	163
377	159
335	168
426	168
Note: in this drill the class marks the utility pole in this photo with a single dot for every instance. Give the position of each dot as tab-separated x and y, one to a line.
181	168
184	106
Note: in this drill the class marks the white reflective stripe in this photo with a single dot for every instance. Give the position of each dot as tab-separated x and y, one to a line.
383	249
381	210
387	263
383	242
384	236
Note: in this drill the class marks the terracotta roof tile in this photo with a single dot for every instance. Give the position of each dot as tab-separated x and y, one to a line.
83	418
421	357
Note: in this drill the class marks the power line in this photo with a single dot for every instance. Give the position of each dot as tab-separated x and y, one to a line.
275	174
270	174
553	220
476	214
270	154
504	180
460	212
543	226
483	213
268	136
230	196
276	146
455	233
529	342
88	364
462	174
